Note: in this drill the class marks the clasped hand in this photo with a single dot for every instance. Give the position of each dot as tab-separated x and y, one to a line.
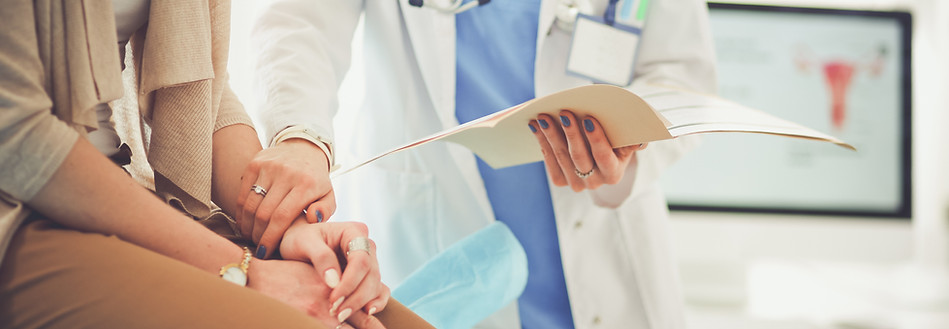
285	191
309	276
279	184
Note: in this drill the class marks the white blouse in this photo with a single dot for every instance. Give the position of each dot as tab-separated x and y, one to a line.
130	15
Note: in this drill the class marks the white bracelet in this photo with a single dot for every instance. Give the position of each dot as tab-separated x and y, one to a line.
309	135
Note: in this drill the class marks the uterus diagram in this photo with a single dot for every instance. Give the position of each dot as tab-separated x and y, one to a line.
839	72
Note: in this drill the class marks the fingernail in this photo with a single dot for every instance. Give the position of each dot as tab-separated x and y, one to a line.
565	120
331	277
372	310
344	314
588	124
543	123
336	305
319	216
261	252
533	130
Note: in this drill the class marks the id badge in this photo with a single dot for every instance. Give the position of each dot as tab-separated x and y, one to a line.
603	53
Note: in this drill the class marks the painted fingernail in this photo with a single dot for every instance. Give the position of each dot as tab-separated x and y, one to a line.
588	124
543	123
533	130
372	310
261	252
331	277
336	305
319	216
565	120
344	314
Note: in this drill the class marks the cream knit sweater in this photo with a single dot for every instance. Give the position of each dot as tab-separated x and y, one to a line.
58	60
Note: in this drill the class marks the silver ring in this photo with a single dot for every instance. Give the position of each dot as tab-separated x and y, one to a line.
584	174
259	190
359	243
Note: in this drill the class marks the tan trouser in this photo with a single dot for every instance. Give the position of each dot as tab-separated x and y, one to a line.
54	277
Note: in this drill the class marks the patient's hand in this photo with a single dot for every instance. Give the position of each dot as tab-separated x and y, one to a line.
325	245
298	285
293	175
578	153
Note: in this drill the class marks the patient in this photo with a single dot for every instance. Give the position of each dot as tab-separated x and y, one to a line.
84	246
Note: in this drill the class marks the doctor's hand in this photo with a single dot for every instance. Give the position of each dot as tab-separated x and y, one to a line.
279	184
577	152
345	259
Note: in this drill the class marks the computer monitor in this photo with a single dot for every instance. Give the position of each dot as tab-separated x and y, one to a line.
843	72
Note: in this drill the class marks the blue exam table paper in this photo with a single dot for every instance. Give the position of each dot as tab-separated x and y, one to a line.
469	281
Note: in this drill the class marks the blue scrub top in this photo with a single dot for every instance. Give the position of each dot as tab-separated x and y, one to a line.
495	70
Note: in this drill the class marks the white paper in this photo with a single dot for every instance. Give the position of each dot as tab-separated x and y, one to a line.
502	139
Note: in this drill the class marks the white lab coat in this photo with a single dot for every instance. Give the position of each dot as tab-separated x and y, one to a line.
619	269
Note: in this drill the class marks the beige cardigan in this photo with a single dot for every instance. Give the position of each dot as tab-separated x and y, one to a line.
58	59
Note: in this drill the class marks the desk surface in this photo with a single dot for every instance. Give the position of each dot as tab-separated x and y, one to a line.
832	295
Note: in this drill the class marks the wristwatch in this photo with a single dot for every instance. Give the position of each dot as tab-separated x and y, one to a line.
237	272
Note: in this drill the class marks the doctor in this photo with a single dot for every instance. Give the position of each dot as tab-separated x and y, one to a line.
593	223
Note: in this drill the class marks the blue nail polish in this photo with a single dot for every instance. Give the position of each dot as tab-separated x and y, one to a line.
319	216
588	124
261	252
533	130
543	123
565	120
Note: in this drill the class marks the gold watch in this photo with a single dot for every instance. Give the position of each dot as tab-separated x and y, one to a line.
237	272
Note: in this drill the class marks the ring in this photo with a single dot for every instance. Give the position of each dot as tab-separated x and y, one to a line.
359	243
584	174
259	190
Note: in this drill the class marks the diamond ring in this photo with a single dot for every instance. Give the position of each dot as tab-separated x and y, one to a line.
259	190
584	174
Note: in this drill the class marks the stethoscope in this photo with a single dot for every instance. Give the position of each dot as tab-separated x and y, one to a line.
567	10
451	8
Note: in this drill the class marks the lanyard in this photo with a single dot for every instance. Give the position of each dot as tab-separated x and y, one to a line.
567	11
609	16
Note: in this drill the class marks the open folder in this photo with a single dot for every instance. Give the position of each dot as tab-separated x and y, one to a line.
645	114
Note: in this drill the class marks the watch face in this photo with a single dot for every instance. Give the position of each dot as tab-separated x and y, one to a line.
235	275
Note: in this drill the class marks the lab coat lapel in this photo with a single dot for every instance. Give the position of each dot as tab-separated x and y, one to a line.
552	50
548	14
545	61
432	34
